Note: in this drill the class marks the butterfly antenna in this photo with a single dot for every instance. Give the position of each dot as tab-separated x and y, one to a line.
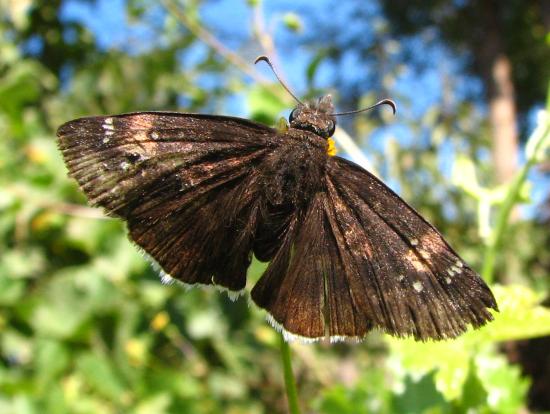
266	60
382	102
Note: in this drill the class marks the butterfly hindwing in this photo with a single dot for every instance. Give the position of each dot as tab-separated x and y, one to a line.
182	182
291	288
375	263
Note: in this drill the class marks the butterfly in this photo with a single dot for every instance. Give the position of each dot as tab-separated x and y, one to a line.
203	194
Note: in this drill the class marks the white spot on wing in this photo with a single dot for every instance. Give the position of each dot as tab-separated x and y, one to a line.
414	242
424	254
108	124
418	286
412	258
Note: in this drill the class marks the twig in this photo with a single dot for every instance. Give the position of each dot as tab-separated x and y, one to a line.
352	149
213	42
77	210
70	209
264	37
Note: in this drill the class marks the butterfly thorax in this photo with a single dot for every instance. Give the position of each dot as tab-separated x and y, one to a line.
295	171
315	117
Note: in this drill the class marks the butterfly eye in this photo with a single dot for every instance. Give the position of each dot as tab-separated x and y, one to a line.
292	115
332	128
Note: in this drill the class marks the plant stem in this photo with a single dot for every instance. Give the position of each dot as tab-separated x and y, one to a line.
501	223
539	136
290	382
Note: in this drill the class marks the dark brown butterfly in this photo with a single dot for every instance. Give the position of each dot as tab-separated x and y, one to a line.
202	193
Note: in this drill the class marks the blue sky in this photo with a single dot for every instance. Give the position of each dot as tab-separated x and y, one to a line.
231	21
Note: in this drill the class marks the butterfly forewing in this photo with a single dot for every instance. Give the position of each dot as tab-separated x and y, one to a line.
183	183
402	274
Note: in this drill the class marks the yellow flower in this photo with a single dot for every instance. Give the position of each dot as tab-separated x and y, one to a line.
160	321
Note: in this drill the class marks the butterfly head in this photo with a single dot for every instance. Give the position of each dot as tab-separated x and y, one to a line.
315	117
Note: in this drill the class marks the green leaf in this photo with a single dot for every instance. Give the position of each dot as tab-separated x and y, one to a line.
16	347
21	404
293	22
52	359
474	395
313	66
11	290
158	404
203	324
226	386
520	317
371	394
506	386
16	264
264	105
419	397
61	311
55	401
99	374
336	400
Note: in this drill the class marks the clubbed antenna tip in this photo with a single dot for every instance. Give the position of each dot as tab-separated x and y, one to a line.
265	59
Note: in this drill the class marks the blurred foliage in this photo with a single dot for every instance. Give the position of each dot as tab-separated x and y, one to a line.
85	325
